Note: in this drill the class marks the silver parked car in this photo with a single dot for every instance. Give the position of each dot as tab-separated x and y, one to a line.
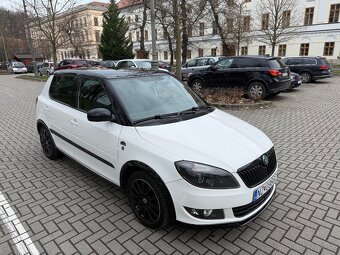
17	67
46	69
200	63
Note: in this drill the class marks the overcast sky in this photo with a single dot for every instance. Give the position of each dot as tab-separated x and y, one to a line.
17	4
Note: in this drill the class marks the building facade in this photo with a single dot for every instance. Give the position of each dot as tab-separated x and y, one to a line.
318	35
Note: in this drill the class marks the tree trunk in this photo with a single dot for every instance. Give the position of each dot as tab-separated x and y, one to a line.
177	30
143	52
219	28
184	32
273	49
54	55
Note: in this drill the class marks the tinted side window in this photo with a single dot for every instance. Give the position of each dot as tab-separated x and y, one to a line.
122	64
63	89
248	62
309	61
211	61
202	62
295	61
224	63
92	95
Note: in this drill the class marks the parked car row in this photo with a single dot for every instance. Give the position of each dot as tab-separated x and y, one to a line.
258	76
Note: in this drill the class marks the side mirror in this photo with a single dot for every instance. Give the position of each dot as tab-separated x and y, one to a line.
100	114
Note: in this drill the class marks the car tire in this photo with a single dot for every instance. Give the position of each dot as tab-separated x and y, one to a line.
256	90
149	201
197	85
306	77
47	144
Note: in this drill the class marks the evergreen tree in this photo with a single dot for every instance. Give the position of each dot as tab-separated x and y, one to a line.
114	44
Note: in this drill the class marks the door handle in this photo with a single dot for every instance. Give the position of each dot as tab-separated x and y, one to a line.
74	122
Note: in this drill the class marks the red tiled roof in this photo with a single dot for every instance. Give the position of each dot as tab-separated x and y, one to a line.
126	3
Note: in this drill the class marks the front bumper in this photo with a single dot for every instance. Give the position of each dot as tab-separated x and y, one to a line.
233	202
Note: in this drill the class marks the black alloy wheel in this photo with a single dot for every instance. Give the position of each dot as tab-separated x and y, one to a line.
47	144
148	200
306	77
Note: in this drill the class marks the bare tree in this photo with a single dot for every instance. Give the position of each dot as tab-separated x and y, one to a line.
12	32
74	36
280	21
221	11
239	26
47	19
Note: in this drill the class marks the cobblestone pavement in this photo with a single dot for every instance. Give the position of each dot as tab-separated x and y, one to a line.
66	209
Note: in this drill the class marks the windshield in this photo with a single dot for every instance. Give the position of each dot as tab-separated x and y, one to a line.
19	65
144	64
144	97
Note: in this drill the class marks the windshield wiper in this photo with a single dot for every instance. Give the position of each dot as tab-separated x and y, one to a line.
158	117
192	110
196	109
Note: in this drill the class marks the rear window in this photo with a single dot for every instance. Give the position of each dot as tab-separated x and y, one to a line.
324	61
248	62
276	63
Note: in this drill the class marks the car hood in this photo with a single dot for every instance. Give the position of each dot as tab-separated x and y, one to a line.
216	139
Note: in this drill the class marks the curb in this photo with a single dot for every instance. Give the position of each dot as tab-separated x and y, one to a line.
29	78
257	105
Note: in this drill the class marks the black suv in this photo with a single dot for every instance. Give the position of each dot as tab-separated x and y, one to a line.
257	75
310	68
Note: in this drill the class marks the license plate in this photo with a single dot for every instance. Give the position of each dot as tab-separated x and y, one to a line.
284	74
299	82
264	188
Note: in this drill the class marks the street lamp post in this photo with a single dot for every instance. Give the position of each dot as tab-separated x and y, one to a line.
30	42
154	62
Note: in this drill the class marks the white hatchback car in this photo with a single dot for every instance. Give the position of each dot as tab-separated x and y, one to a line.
174	156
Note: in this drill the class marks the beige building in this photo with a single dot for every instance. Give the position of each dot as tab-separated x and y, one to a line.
87	27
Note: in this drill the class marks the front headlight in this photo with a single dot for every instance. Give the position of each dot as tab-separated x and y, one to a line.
205	176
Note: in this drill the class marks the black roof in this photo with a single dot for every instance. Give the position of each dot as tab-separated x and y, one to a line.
110	73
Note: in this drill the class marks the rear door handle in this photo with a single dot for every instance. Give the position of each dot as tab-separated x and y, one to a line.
74	122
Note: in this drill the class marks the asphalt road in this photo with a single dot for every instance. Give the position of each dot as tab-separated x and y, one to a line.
59	207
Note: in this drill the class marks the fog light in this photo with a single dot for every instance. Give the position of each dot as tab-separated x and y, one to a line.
206	214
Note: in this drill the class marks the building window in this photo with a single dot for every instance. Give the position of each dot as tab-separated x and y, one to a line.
328	49
285	19
230	2
262	50
334	13
265	21
86	35
246	23
247	1
190	31
213	52
200	52
130	36
95	20
164	34
97	34
304	49
214	28
230	23
146	35
165	55
137	36
309	14
136	18
201	29
282	50
244	50
188	54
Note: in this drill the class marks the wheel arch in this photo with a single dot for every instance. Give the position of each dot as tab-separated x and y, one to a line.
133	166
257	80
